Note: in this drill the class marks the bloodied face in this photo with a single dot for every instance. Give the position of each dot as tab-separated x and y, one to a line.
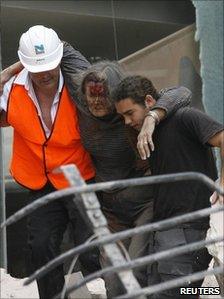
96	94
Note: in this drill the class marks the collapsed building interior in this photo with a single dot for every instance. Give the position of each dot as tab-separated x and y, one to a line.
136	37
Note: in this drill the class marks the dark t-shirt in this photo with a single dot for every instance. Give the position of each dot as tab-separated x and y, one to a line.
181	145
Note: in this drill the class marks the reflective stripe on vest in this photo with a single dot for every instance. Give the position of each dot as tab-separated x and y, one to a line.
35	156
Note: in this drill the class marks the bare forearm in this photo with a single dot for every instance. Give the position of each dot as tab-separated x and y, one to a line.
10	71
3	121
171	99
222	164
218	141
160	114
219	197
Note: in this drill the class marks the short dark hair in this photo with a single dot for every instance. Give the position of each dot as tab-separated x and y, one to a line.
136	88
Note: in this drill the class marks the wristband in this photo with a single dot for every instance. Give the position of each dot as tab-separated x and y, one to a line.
154	115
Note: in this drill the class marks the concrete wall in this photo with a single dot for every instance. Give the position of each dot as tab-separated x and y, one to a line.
7	149
99	29
171	61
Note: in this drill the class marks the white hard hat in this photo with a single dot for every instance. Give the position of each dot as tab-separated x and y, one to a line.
40	49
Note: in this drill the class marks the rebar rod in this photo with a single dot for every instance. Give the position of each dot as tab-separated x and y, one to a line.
145	260
163	286
110	186
123	235
89	207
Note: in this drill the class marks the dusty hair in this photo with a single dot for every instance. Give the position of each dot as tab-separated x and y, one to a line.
106	72
136	88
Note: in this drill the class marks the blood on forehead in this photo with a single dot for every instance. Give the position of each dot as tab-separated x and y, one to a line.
97	89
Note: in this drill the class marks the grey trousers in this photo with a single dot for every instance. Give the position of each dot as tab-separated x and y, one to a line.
178	266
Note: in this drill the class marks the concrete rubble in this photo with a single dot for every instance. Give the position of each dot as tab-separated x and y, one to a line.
13	288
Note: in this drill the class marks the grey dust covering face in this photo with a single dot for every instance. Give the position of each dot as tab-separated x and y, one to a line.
96	94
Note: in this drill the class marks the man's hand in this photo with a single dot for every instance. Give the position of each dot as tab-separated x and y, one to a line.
3	119
4	77
8	73
218	141
2	82
145	143
217	198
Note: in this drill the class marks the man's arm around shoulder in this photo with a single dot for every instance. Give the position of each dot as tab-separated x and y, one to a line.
218	141
3	121
4	102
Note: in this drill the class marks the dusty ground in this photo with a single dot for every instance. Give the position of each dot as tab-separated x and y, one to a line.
13	288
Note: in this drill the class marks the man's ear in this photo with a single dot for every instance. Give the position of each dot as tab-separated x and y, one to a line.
149	101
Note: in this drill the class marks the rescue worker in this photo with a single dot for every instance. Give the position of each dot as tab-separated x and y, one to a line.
36	103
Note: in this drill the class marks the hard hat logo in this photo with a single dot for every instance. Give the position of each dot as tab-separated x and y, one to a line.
39	49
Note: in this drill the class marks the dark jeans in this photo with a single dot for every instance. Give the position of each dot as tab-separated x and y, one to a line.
46	227
177	266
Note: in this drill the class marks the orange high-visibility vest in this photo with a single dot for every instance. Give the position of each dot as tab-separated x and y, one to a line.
35	156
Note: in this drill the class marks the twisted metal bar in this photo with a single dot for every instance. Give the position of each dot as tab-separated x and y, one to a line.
89	207
173	283
167	178
123	235
146	260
